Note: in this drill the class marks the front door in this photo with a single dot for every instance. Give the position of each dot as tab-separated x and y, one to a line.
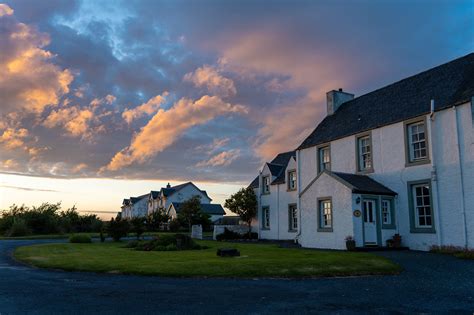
370	222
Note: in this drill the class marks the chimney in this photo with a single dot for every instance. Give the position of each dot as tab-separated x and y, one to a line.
335	99
168	186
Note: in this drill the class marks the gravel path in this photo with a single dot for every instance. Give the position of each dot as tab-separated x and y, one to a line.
431	283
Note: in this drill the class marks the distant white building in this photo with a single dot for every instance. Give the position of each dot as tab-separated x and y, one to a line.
398	160
135	207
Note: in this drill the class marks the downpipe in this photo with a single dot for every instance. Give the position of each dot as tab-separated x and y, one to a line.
298	199
434	174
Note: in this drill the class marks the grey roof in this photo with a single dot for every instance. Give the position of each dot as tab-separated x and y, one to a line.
275	169
362	184
206	208
283	159
255	183
154	194
169	191
136	199
449	84
126	202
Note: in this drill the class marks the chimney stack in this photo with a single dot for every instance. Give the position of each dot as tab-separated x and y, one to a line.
168	186
335	99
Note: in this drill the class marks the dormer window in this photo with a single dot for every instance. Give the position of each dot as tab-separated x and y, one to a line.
292	180
266	184
324	158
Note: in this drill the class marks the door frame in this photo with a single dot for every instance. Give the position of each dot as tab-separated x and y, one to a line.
378	227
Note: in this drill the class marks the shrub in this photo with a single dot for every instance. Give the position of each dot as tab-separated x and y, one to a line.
167	243
137	226
18	228
174	225
80	238
118	228
229	235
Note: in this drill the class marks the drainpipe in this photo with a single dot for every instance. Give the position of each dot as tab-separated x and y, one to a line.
278	212
434	175
461	174
259	204
298	191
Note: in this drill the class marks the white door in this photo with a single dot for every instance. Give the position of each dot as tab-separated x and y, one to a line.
370	225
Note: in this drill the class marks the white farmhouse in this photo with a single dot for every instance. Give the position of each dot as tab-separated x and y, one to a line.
135	207
163	198
398	160
277	197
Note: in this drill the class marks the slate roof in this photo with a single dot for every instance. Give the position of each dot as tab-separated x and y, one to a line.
449	84
136	199
283	159
154	194
362	184
206	208
126	202
255	183
169	191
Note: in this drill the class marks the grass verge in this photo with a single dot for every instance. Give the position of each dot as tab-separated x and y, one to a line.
256	260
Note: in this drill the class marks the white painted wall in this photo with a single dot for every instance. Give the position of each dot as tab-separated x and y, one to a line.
390	170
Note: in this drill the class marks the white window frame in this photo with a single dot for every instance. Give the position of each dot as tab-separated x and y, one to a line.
412	142
324	158
266	217
325	214
364	150
386	212
266	184
293	217
423	205
292	181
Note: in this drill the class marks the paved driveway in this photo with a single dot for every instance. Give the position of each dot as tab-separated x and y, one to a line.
430	284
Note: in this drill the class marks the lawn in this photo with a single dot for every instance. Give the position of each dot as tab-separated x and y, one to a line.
256	260
67	235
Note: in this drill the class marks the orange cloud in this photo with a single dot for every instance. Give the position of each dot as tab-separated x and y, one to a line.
29	81
222	159
14	138
167	125
147	108
210	78
77	122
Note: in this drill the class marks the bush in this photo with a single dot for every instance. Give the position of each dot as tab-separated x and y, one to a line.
169	242
174	225
80	238
18	228
231	235
457	251
118	228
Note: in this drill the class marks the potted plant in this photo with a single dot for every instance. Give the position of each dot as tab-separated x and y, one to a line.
350	243
397	241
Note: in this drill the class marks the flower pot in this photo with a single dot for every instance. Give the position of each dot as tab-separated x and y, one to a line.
351	245
397	241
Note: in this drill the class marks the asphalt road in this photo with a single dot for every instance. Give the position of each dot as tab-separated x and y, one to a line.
430	284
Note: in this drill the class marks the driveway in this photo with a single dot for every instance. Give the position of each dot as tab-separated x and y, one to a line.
431	283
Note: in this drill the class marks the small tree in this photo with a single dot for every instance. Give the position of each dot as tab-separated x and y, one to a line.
190	211
243	203
156	219
118	228
137	225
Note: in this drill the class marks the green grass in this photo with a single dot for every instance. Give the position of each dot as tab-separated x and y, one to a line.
256	260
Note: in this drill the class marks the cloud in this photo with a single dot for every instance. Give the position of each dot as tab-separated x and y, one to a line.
28	188
79	168
14	138
216	144
30	80
222	159
166	126
77	122
209	77
147	108
10	164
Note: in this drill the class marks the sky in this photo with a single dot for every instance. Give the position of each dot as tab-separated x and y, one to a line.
103	100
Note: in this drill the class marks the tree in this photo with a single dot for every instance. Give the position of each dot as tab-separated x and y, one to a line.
137	225
190	211
156	219
118	228
243	203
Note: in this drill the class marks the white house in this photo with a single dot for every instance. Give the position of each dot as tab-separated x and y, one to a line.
398	160
276	191
135	207
163	198
215	211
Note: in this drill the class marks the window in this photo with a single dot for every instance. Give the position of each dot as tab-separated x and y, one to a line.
386	212
325	215
266	218
422	205
324	159
364	153
417	142
291	180
266	184
293	217
421	209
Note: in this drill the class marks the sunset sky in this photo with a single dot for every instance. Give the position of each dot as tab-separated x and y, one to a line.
103	100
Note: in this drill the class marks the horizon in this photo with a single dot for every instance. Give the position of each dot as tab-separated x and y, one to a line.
128	96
